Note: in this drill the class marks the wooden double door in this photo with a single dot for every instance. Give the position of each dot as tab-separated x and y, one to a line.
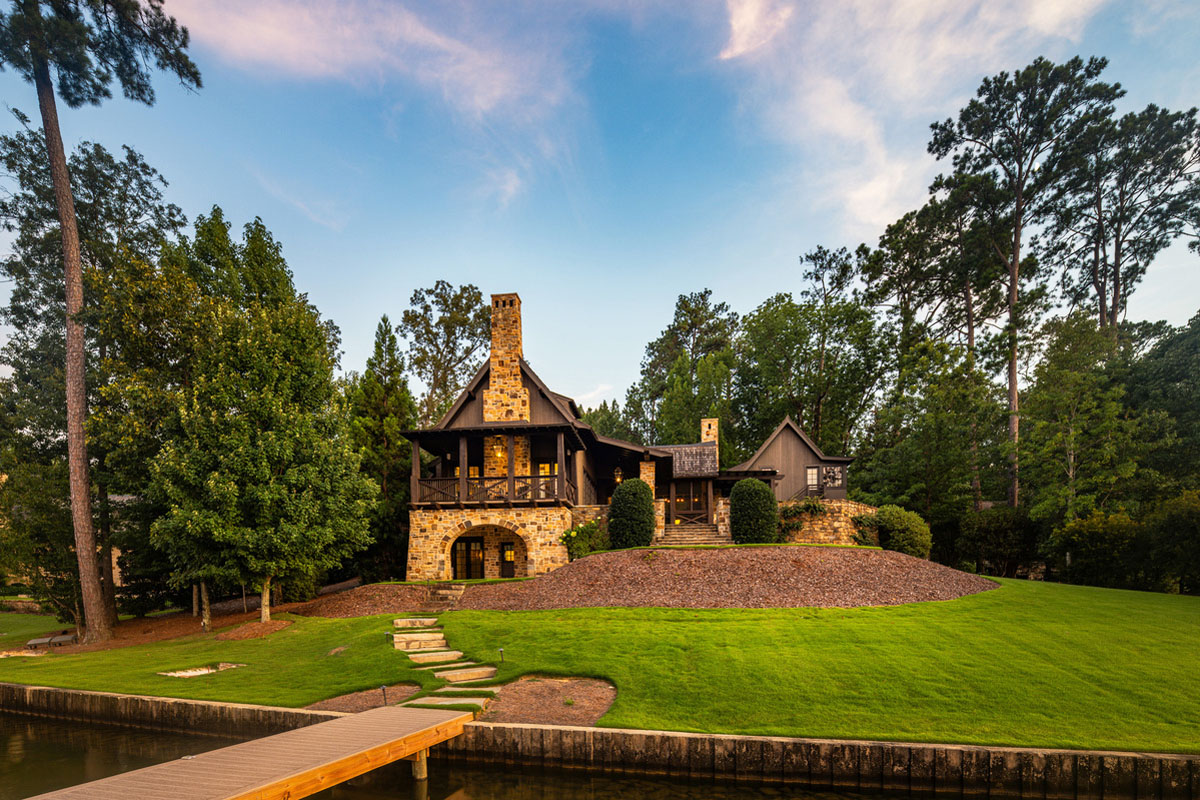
466	557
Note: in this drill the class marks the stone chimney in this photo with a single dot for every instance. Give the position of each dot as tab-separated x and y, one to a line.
506	398
710	431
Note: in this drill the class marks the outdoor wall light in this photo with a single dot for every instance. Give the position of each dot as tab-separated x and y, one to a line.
618	475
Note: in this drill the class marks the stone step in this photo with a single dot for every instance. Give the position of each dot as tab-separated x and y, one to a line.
467	674
434	657
447	666
415	622
416	636
421	644
449	701
694	542
458	687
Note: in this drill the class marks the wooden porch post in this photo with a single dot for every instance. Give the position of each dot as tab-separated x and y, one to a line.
711	508
671	507
512	460
462	469
414	482
560	487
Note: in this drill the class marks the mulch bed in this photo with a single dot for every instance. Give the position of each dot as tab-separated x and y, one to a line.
746	577
367	600
254	630
367	699
551	701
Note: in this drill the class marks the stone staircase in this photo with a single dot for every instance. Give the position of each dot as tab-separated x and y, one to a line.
425	644
442	597
676	535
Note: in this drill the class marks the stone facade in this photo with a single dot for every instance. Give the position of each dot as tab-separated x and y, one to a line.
646	473
835	526
721	515
495	456
535	531
710	431
582	514
506	398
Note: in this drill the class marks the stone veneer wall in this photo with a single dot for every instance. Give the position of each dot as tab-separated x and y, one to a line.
495	456
506	397
721	515
835	526
646	473
433	531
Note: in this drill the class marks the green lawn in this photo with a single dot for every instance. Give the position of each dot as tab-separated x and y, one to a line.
292	667
1027	664
17	629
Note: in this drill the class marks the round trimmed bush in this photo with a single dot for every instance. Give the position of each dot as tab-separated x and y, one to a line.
753	513
903	531
631	515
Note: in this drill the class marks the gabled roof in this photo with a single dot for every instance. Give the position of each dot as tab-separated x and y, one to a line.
788	423
564	405
697	460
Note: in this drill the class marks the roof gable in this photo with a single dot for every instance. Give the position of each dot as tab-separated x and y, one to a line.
785	427
562	408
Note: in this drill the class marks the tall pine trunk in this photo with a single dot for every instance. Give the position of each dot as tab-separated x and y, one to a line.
205	608
95	614
1014	398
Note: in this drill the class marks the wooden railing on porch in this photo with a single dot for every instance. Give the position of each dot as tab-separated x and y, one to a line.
526	489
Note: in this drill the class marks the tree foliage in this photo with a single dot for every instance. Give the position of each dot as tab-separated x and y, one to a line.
446	329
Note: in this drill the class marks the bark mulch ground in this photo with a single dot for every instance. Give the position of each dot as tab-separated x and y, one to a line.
366	600
253	630
741	577
368	699
551	701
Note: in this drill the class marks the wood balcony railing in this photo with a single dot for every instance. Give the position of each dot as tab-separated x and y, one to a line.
526	490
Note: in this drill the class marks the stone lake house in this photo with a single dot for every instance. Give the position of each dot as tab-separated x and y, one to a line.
514	466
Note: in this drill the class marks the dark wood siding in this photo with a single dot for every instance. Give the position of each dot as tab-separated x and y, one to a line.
788	454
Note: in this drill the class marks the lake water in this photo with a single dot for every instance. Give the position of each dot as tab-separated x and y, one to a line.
40	755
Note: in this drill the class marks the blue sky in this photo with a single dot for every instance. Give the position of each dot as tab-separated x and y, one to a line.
599	157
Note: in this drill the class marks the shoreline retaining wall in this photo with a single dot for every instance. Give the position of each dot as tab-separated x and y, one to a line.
961	770
235	720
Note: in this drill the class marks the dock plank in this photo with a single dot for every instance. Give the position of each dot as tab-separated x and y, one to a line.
289	765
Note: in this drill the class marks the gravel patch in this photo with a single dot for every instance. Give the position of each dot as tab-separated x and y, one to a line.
367	600
551	701
254	630
737	577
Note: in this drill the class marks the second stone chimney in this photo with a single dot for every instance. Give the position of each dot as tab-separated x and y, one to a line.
710	431
506	398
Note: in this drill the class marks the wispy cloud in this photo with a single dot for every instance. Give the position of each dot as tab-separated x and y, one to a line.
853	84
601	392
317	208
753	24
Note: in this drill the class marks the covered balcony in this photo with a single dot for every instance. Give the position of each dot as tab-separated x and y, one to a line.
518	464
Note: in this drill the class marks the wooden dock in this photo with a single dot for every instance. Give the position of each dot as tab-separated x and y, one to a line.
286	766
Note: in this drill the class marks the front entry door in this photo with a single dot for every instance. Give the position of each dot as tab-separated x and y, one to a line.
690	502
508	560
467	559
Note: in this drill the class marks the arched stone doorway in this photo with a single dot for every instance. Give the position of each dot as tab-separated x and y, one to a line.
487	551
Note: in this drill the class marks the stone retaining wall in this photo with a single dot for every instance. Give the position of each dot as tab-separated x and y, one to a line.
835	526
834	764
237	720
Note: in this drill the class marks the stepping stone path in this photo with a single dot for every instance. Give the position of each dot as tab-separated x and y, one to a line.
424	643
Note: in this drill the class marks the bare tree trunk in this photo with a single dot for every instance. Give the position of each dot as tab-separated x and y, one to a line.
205	608
976	482
264	610
106	555
96	617
195	599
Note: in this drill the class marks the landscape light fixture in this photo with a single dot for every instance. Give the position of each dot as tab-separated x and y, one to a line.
618	475
501	655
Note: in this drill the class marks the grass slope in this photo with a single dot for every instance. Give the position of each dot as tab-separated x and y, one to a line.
1028	664
292	667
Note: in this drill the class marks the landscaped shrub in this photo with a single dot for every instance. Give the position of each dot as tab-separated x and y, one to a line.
1098	550
753	512
589	537
1175	532
631	515
902	531
1000	540
866	530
